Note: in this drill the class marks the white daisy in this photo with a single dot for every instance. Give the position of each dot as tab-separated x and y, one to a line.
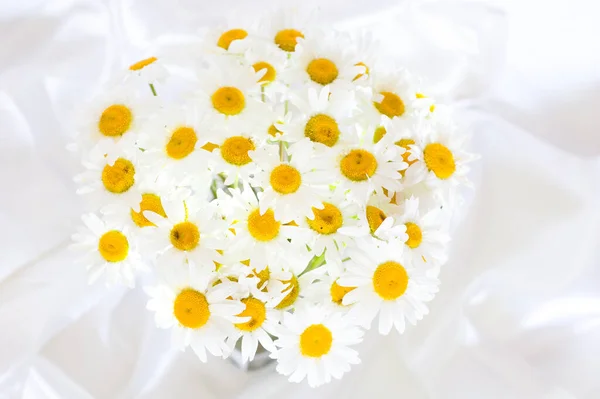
287	27
291	187
230	155
322	61
113	178
314	344
298	286
193	231
334	227
231	36
404	132
230	94
172	144
441	158
199	314
260	238
367	51
322	115
148	71
108	249
262	324
111	116
386	284
425	240
380	213
327	292
393	95
269	62
366	167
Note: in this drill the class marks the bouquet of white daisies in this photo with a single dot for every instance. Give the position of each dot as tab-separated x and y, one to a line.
299	189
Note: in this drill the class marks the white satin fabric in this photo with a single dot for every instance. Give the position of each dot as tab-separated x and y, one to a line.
518	314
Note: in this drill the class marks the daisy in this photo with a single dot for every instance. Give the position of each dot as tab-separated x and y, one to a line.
322	61
323	116
199	314
231	36
298	285
380	213
262	324
367	51
386	284
327	292
365	167
152	195
192	232
148	71
113	178
269	63
113	115
288	26
281	117
333	227
394	95
230	154
314	343
404	133
173	146
109	249
230	94
425	240
291	188
440	157
259	237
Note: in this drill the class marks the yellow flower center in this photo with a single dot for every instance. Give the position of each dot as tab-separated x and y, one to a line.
439	160
270	75
182	142
415	235
264	275
358	165
327	220
273	131
210	147
263	227
338	292
185	236
191	308
379	133
362	64
285	179
228	100
292	295
375	217
234	150
322	71
226	38
150	202
390	280
115	120
406	143
113	246
322	129
119	177
391	105
287	39
143	63
256	310
315	341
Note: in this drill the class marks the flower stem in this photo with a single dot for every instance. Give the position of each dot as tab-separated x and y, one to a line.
153	89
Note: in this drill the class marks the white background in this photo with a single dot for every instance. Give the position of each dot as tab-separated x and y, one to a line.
518	315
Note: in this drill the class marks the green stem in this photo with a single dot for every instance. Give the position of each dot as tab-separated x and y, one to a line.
153	89
262	93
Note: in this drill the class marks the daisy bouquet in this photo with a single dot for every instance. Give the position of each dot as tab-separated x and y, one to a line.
298	191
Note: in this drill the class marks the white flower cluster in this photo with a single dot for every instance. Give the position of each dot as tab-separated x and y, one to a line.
299	190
